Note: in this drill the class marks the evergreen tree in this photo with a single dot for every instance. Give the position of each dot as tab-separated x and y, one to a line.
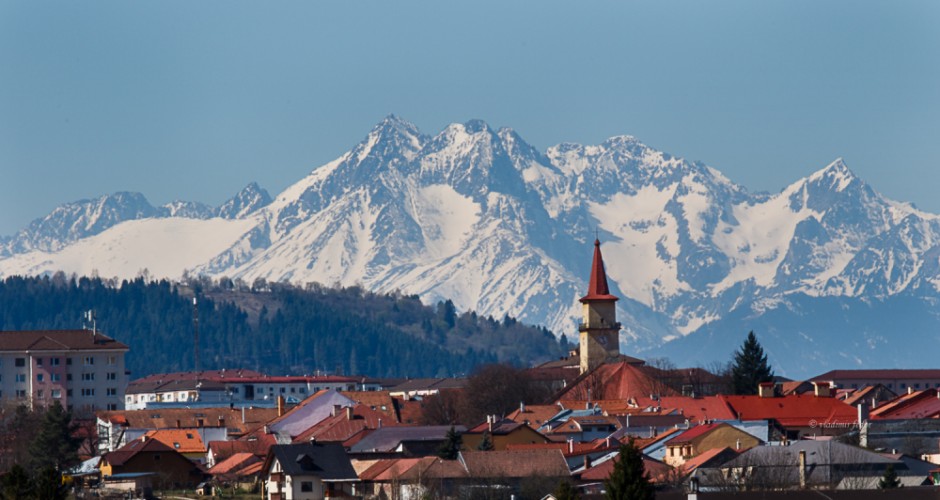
889	480
629	480
564	491
48	484
55	445
750	367
16	483
486	444
452	445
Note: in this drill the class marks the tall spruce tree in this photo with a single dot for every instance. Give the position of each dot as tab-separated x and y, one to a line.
629	480
889	480
55	446
452	445
750	367
486	444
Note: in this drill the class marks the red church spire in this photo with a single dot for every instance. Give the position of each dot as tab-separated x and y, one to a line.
597	288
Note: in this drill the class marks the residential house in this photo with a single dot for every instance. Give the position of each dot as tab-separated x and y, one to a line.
308	471
403	442
149	456
706	437
502	433
186	442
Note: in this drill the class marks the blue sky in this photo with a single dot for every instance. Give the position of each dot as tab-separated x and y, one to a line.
193	100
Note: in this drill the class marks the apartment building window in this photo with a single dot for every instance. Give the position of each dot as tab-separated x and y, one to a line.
39	377
112	391
68	392
56	394
112	376
54	361
38	361
68	377
68	361
20	362
88	392
112	360
21	377
88	377
55	377
88	360
21	393
112	406
39	394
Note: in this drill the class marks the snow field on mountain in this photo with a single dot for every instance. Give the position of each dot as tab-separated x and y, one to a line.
642	260
446	218
165	247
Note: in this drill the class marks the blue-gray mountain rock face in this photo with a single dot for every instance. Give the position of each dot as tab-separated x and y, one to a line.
826	272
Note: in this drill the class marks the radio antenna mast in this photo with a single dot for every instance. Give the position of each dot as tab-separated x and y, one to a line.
196	335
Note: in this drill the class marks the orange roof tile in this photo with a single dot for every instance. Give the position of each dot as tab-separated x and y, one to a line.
181	440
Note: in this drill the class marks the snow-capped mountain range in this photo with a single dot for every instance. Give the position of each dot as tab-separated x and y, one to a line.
823	271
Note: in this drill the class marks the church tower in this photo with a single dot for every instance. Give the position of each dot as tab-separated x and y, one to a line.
600	332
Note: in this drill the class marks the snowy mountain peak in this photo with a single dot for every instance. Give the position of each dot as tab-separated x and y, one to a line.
836	176
251	198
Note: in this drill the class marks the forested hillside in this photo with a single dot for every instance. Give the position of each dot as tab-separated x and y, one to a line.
274	328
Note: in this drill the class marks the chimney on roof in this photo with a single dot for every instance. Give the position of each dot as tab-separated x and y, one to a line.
349	413
802	469
489	422
280	405
243	414
570	446
143	439
765	389
862	414
587	462
822	389
737	444
336	410
522	405
379	425
910	390
221	421
178	424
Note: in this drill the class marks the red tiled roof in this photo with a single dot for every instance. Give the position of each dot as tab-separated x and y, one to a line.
377	400
222	450
58	340
920	404
695	462
699	409
621	380
182	440
694	432
121	455
534	415
234	463
797	410
597	287
657	470
340	428
172	418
